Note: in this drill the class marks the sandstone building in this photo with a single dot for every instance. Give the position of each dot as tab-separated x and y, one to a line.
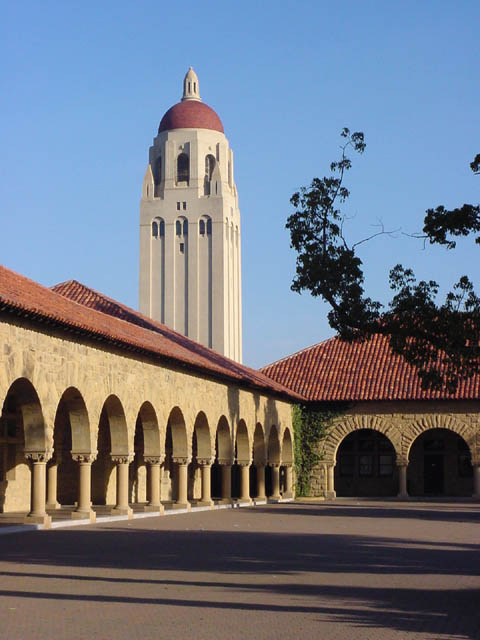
103	405
389	437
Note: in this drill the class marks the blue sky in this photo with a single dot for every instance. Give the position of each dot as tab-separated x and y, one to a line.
85	85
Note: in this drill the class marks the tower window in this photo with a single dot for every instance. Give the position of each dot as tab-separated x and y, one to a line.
182	247
184	206
202	227
162	228
209	227
185	227
178	206
183	168
178	228
155	229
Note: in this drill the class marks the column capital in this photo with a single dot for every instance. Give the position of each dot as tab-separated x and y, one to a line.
153	460
38	456
274	464
225	462
259	463
402	461
181	459
84	457
204	462
122	458
244	463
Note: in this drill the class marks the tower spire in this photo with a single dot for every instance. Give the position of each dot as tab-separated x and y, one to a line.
191	89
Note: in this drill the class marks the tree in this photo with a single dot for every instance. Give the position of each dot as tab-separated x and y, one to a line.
441	340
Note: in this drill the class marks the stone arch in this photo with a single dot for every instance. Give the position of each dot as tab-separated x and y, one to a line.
273	446
348	424
26	399
439	421
201	430
77	413
287	448
71	438
178	428
259	451
242	442
147	420
224	440
115	415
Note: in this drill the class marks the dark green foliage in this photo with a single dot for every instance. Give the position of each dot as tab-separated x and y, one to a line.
310	426
442	341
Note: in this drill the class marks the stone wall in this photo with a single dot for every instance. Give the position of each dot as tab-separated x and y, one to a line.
402	423
86	376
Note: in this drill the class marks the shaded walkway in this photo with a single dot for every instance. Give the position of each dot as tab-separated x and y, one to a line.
365	570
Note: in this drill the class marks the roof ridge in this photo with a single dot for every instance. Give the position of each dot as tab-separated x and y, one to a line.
39	301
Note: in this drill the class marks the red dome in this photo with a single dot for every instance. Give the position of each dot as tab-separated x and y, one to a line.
190	114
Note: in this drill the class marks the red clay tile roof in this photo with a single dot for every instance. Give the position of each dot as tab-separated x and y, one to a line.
190	114
334	371
117	324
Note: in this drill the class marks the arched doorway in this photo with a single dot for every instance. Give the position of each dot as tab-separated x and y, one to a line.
440	465
257	469
272	472
366	465
201	461
112	440
23	430
175	477
71	435
222	467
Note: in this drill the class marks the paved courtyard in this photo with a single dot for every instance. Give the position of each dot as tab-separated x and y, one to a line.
347	570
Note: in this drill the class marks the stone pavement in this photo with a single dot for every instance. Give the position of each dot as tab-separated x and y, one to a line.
362	570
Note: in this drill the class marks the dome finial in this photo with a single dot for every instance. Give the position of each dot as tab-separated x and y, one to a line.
191	89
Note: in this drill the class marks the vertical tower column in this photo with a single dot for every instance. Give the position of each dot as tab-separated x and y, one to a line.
38	514
402	479
244	480
260	466
226	466
84	508
154	483
206	467
331	482
122	507
52	482
182	497
275	467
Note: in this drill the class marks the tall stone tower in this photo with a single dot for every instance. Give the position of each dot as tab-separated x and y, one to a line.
190	263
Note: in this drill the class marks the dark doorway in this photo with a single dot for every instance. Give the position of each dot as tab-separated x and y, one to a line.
433	474
366	465
440	465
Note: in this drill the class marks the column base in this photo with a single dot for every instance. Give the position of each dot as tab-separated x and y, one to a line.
330	495
402	496
154	508
120	511
46	520
53	505
84	515
244	500
224	501
205	503
182	505
274	498
288	495
260	499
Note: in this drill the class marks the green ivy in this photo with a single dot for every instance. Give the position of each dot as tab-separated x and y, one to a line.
310	426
